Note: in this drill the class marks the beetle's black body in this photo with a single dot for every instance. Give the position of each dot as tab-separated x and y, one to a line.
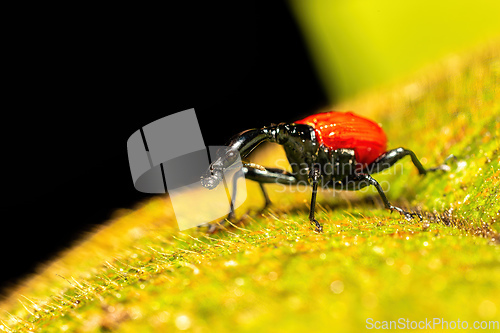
311	162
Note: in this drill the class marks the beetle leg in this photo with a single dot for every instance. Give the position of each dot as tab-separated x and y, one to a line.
261	175
213	227
444	166
268	175
392	156
266	196
254	165
360	180
250	174
315	175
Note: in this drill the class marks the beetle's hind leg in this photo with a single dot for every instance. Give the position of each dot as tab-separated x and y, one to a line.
361	180
388	159
444	166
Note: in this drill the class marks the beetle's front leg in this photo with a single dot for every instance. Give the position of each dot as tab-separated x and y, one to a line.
260	174
315	175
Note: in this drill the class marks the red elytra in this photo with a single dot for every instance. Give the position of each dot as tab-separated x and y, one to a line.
338	130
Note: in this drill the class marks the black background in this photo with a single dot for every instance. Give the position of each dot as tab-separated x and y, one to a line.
81	80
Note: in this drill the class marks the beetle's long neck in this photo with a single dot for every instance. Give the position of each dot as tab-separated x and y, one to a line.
248	140
243	143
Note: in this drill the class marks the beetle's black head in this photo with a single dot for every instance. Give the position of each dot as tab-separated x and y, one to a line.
212	177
